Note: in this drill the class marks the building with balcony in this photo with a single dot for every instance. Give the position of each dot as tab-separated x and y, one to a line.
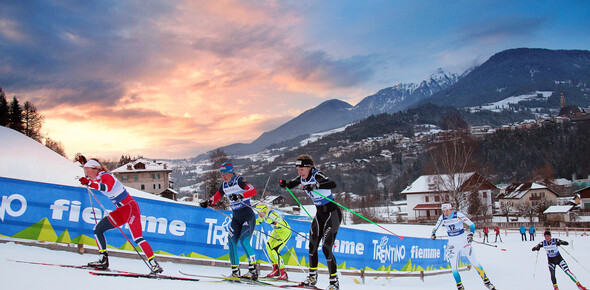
148	176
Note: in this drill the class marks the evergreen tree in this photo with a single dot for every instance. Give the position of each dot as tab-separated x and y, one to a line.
16	116
32	121
4	110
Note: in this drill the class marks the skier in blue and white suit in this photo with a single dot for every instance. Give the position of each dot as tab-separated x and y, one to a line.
459	242
238	191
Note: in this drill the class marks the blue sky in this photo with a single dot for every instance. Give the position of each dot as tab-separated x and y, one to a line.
172	79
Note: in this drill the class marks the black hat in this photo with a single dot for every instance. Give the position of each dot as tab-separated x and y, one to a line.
547	233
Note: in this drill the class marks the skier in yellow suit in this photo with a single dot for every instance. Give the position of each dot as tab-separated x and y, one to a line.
277	240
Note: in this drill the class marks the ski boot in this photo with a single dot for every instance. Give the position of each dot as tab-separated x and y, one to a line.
460	286
555	287
580	286
283	275
274	272
235	272
154	266
489	284
252	273
102	263
334	284
311	279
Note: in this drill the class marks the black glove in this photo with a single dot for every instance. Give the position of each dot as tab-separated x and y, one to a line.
236	197
560	242
205	203
536	248
310	187
433	236
470	237
282	183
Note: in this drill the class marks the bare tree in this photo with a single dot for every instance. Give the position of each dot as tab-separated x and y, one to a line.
32	121
454	166
506	209
56	146
544	175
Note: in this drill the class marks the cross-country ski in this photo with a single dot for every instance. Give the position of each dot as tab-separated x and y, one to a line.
139	275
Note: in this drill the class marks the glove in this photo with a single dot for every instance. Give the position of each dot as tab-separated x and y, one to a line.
536	248
310	187
433	236
236	197
85	181
205	203
282	183
470	237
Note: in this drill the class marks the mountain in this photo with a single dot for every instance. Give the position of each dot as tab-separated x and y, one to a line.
520	71
327	115
402	96
335	113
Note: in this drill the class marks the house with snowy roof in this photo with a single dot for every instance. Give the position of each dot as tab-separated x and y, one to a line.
559	214
584	195
275	200
147	175
427	193
520	194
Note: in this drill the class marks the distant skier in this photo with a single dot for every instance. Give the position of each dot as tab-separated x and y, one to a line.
277	240
238	191
486	231
554	259
498	235
459	242
325	224
127	212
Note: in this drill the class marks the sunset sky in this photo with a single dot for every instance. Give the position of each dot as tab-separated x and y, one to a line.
173	79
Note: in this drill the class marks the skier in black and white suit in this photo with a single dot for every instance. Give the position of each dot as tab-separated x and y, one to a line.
554	259
326	222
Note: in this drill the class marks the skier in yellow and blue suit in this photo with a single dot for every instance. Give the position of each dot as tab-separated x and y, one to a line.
278	239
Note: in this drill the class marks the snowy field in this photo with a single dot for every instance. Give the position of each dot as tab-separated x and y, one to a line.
511	265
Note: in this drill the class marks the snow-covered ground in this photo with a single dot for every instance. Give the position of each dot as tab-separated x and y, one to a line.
510	265
503	104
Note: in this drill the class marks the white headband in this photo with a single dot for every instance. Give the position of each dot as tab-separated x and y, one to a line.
446	206
92	164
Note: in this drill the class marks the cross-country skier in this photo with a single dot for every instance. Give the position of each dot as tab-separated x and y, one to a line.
277	240
459	242
554	259
238	191
326	222
127	212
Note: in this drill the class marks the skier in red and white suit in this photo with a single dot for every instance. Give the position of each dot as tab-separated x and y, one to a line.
127	212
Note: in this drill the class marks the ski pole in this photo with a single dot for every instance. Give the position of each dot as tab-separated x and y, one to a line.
495	246
574	258
267	216
535	269
254	225
264	191
118	227
359	215
299	203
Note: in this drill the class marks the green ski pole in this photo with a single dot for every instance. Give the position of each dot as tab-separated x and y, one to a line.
299	203
359	215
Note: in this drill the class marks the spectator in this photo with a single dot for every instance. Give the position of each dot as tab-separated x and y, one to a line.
486	230
497	230
532	233
523	233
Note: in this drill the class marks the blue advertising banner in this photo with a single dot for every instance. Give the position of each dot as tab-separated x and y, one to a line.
58	213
